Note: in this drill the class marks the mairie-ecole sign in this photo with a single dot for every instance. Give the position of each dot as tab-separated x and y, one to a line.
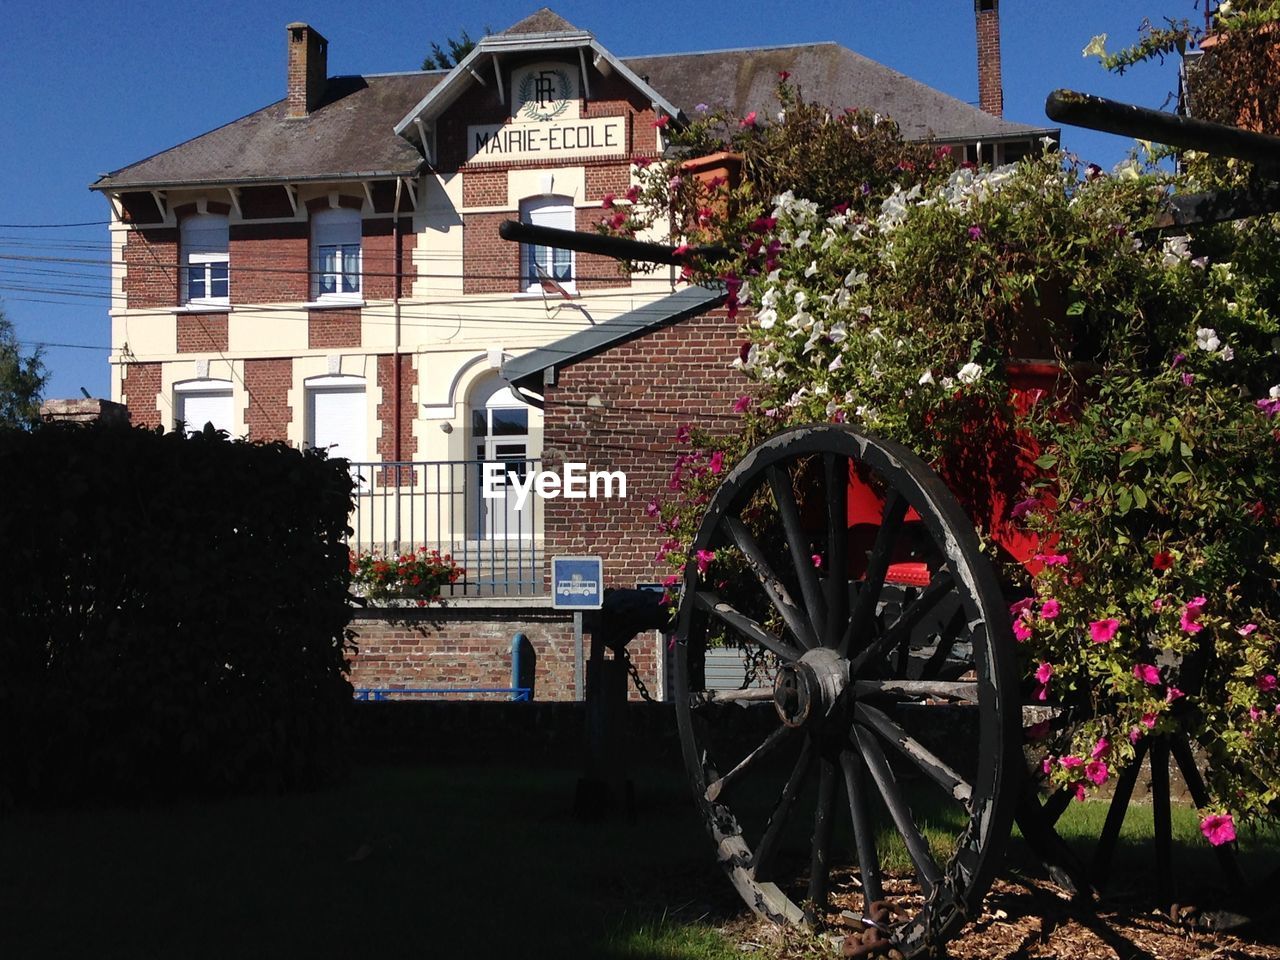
546	122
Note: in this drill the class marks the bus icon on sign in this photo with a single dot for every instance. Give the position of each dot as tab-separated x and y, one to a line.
577	583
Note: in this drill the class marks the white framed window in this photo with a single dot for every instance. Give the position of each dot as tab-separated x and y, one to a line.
197	402
206	276
538	263
335	254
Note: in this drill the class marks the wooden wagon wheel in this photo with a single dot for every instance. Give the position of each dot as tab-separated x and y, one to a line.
900	696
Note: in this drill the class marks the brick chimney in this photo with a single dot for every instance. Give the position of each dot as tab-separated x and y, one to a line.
308	69
990	85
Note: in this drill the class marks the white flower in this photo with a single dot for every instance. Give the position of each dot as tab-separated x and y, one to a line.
947	383
969	373
1175	250
1274	393
801	298
1207	339
839	332
855	277
811	269
926	378
1048	142
1097	47
1127	170
1227	353
768	318
836	364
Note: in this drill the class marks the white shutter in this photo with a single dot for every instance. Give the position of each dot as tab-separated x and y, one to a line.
337	418
198	407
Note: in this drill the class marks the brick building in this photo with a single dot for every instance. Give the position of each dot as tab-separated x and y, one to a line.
327	271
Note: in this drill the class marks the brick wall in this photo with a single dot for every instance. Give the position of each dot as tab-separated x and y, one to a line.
484	188
386	409
620	410
267	413
333	328
378	256
461	647
141	384
492	265
269	263
202	332
151	268
990	84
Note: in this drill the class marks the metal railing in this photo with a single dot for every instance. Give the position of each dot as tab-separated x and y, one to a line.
379	695
439	504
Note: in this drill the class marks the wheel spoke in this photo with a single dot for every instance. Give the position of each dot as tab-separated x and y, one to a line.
746	626
960	690
789	513
1162	830
836	470
929	763
717	787
895	510
746	695
927	870
762	862
900	632
947	638
773	587
864	837
823	821
1115	815
1186	761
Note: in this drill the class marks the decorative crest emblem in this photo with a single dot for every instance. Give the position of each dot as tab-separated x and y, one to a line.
544	94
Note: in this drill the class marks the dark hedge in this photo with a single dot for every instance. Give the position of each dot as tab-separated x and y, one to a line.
173	615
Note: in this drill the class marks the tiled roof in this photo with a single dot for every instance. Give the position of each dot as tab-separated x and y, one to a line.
352	133
745	80
349	135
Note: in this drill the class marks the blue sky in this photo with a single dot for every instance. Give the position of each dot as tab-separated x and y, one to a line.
89	89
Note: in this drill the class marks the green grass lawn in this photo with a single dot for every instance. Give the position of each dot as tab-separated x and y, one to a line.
402	861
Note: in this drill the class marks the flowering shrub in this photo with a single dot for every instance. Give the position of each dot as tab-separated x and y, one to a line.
418	575
1148	473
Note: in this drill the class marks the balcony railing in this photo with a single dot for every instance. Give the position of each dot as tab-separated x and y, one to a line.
439	504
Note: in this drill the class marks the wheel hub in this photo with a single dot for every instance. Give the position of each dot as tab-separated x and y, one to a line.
807	689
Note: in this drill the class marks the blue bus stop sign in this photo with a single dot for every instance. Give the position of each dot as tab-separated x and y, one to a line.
577	583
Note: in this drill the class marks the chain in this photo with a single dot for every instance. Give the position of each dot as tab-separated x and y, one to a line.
635	676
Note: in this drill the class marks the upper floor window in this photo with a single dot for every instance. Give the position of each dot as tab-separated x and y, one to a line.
205	262
540	264
335	245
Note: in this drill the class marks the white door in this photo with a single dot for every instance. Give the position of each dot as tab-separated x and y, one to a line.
500	434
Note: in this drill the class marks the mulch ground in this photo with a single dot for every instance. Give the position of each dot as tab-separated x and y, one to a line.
1032	918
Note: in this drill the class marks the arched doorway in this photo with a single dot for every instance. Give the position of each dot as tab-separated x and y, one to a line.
498	432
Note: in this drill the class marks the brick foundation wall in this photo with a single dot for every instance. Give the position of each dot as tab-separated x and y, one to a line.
333	328
138	392
151	268
461	647
202	332
267	413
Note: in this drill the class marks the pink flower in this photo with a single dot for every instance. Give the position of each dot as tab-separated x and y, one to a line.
1053	559
1162	560
1042	692
682	433
1103	630
1135	734
651	509
1177	359
670	580
607	200
1071	762
1149	720
1023	507
1021	631
704	558
975	232
1097	772
1017	609
1188	379
716	464
783	76
1267	683
1255	714
1157	604
1047	765
1218	828
1050	610
662	122
748	121
1172	694
742	404
1044	672
816	560
1190	620
1099	748
1081	795
1147	673
1247	629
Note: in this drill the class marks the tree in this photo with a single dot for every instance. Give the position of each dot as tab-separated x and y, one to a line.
439	59
22	379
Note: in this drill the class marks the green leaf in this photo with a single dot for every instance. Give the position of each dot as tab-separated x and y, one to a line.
1166	442
1182	476
1046	462
1124	501
1076	308
1140	497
